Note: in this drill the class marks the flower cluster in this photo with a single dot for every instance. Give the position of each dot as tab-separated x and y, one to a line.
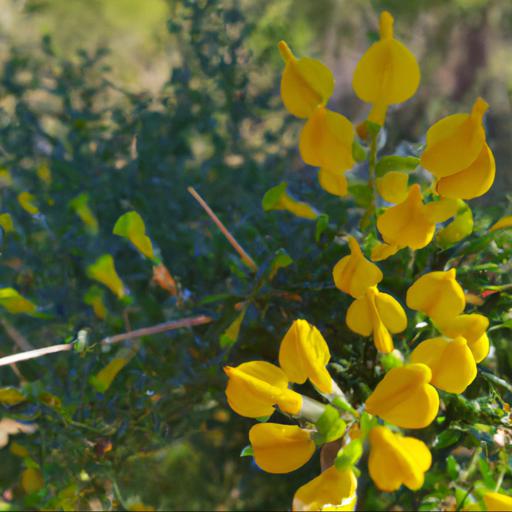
407	396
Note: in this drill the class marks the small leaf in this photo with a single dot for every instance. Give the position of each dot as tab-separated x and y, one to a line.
15	303
32	480
330	426
80	205
131	226
359	154
104	271
104	378
281	260
349	455
27	202
447	438
361	193
11	396
230	335
396	163
163	278
6	222
278	198
452	467
247	451
94	297
322	222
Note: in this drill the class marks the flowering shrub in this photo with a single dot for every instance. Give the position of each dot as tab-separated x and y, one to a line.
419	385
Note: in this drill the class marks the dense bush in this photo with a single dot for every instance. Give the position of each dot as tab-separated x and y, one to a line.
160	433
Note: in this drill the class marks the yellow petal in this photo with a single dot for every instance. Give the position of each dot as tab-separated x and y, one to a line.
131	226
395	460
280	448
406	224
333	182
303	354
497	502
332	488
354	274
438	295
454	142
405	397
27	202
379	303
388	72
439	211
505	222
451	361
15	303
392	313
326	140
473	181
104	271
472	327
298	208
382	251
460	228
358	317
255	387
305	84
393	186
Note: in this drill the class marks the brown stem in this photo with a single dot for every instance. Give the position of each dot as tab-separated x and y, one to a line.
229	237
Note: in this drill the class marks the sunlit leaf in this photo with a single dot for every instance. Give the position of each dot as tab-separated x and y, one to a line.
80	205
15	303
103	271
27	202
131	226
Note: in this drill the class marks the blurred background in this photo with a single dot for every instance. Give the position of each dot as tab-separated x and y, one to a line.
131	101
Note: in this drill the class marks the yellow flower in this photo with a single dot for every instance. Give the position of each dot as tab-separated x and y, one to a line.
451	361
333	182
353	274
405	397
505	222
331	490
393	186
395	460
472	328
255	387
473	181
495	501
304	354
305	84
378	313
387	73
412	223
455	142
326	141
438	295
280	448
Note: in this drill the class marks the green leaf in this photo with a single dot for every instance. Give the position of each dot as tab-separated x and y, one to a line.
452	467
396	163
359	153
372	128
281	260
247	451
486	473
272	196
15	303
322	222
447	438
329	426
80	205
349	455
278	198
11	396
367	422
131	226
361	193
230	335
104	271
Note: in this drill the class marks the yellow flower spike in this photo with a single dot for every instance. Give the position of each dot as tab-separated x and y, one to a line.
405	397
303	354
473	181
438	295
471	327
387	73
353	274
326	141
505	222
454	142
305	84
377	313
497	502
280	448
333	182
451	361
393	187
395	460
407	224
331	490
460	228
254	388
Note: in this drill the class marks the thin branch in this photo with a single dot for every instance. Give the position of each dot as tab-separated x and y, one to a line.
230	238
16	335
155	329
131	335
